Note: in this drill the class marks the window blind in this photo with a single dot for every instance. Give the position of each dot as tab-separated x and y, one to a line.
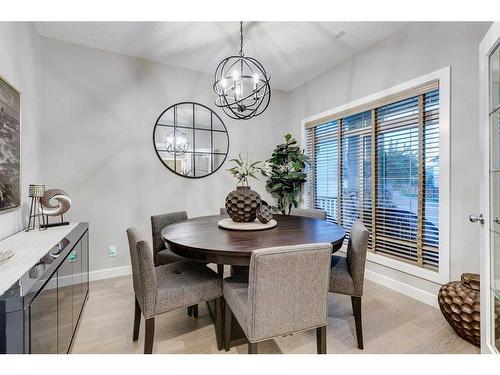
356	170
382	166
324	167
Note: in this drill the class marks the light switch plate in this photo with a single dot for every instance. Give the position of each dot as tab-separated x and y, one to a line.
112	251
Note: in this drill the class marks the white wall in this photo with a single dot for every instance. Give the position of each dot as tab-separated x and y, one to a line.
99	113
99	109
415	50
20	64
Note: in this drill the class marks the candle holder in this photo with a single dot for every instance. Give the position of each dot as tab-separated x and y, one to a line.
36	192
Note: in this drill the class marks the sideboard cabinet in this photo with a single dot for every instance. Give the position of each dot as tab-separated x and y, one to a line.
40	312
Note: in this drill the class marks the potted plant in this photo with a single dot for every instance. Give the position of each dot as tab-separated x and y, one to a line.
242	203
286	174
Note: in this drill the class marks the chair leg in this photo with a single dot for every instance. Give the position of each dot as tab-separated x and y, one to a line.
137	321
218	323
195	310
252	348
356	309
150	335
190	310
220	270
227	327
321	339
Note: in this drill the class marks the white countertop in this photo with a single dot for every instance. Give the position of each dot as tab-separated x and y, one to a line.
29	248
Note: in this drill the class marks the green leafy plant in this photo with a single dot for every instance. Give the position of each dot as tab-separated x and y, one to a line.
286	174
244	169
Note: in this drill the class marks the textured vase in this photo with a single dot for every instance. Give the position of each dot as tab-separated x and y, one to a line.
242	204
459	303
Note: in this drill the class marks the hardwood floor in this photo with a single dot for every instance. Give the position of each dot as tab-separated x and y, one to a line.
392	323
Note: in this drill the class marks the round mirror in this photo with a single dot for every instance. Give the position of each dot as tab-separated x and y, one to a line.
191	140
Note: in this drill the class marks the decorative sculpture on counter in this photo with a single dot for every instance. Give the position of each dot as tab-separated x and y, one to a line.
49	208
36	192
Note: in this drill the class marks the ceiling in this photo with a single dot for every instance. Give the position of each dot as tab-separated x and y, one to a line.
292	52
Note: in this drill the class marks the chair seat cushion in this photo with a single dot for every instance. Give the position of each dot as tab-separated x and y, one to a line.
166	256
185	283
235	290
340	278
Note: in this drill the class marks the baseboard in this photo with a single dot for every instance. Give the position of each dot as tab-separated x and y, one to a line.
398	286
109	273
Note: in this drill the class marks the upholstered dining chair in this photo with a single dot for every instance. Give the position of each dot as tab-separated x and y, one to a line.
286	293
169	287
313	213
348	273
161	253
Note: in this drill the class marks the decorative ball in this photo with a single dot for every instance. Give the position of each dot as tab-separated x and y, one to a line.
264	214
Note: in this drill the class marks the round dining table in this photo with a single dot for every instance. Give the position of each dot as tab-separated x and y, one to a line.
202	239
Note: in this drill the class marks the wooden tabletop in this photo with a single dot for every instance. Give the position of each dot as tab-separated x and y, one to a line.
201	238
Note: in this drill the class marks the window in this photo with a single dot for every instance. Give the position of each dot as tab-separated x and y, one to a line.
379	162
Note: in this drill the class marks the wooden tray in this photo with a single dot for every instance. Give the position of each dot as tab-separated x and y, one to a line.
254	225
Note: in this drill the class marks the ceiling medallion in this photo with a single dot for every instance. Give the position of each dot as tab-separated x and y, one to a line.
242	85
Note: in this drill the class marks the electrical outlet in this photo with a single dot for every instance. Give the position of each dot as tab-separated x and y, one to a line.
112	251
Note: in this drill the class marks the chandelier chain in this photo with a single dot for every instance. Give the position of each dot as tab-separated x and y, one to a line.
241	38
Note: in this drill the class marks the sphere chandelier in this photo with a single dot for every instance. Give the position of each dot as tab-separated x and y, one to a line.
242	85
177	143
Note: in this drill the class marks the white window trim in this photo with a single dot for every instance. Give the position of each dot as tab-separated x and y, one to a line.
443	75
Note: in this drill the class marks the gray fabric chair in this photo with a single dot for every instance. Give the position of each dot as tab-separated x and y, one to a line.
161	254
169	287
309	212
286	293
223	211
348	273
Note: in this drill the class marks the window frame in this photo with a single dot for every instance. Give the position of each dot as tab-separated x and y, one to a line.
443	76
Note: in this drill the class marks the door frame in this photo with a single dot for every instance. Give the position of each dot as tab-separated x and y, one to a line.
487	45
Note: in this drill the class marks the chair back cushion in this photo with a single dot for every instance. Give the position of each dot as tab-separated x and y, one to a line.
288	289
309	212
143	272
159	222
356	255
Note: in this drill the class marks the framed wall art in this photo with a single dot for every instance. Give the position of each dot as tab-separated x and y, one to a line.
10	146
